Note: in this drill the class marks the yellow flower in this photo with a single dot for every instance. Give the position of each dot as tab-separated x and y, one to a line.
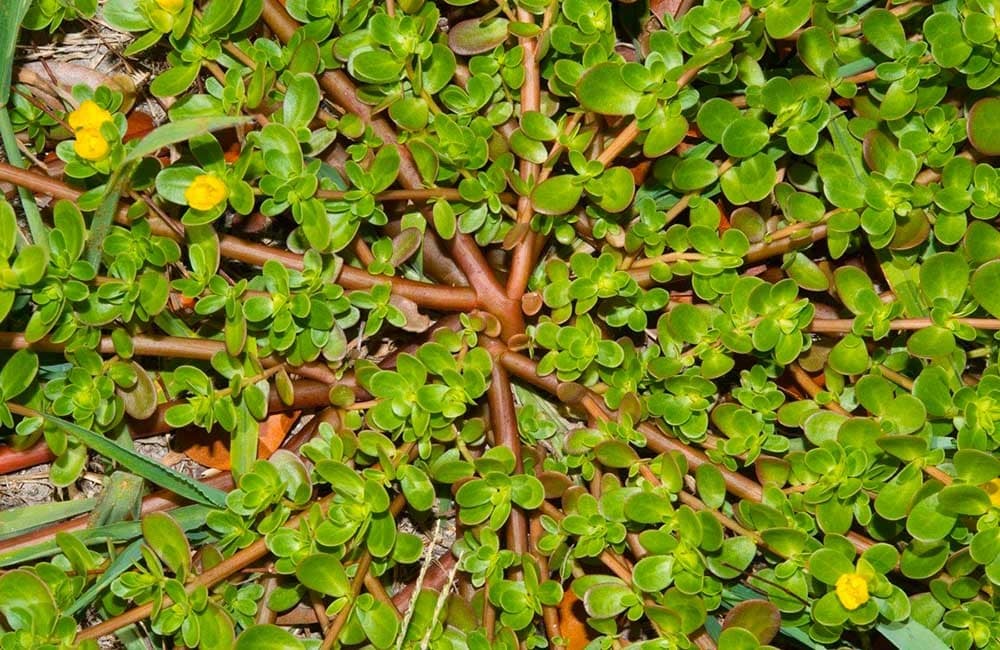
993	489
852	591
206	192
170	6
88	116
91	145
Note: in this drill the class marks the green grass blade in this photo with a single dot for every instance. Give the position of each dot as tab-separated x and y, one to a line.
190	519
911	635
11	14
120	500
129	556
156	473
39	234
19	520
100	225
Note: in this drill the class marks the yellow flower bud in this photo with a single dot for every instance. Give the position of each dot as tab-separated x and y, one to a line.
91	145
88	116
206	192
170	6
852	591
993	489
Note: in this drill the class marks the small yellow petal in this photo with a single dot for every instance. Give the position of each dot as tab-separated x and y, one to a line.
170	6
852	591
91	145
993	489
206	192
88	116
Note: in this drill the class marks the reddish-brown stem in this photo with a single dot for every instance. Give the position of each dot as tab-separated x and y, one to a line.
523	258
340	89
767	250
437	264
163	346
363	565
550	615
728	522
736	484
240	560
668	258
491	295
671	214
423	294
377	589
612	561
363	252
628	135
426	295
144	345
37	183
416	195
526	369
155	502
844	325
505	430
308	394
433	580
757	253
702	640
813	389
265	614
243	558
15	460
862	77
333	631
489	618
895	377
624	138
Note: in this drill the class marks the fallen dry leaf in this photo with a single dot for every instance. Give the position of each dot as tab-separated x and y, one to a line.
140	124
571	627
67	75
211	449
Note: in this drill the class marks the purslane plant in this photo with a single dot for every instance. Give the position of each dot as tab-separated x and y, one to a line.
604	325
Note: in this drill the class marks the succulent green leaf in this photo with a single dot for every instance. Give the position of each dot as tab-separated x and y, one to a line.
603	90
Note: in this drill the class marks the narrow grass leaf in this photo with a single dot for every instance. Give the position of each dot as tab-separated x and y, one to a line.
190	519
911	635
122	563
11	14
19	520
152	471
